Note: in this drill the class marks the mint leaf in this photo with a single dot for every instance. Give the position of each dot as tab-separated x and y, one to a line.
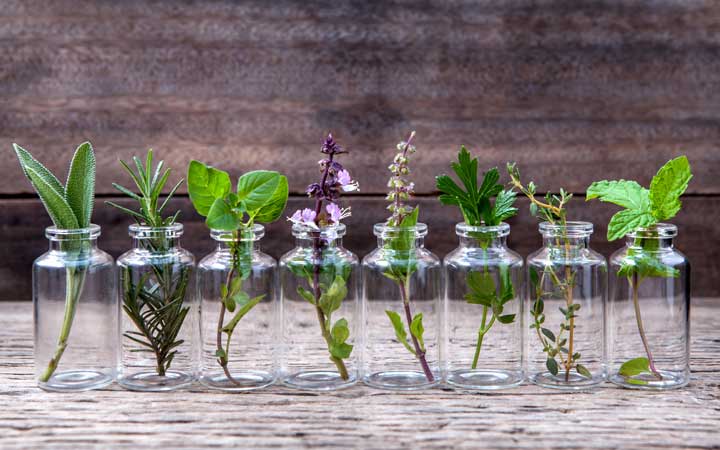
628	194
628	220
80	186
634	367
667	186
645	265
205	185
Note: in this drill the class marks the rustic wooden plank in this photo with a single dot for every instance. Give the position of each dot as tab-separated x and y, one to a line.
23	221
523	418
575	152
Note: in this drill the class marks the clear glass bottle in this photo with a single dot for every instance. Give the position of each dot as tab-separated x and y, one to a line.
399	287
483	321
159	330
565	311
238	343
74	304
649	311
319	352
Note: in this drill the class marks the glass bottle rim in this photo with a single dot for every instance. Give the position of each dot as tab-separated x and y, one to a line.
657	231
72	234
572	229
254	234
139	231
303	231
462	229
383	230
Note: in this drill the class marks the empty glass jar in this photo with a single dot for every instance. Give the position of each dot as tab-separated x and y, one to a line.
75	307
158	330
483	325
402	288
648	311
236	288
320	311
565	312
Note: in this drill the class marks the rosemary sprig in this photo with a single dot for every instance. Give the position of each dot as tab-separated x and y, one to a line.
155	302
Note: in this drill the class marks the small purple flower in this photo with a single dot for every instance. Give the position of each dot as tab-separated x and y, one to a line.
344	177
334	212
304	217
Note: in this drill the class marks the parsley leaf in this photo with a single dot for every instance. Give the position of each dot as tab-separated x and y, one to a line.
475	202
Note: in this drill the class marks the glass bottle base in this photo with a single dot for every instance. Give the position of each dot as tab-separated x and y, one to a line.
76	380
318	380
400	380
484	379
575	382
670	380
152	382
242	381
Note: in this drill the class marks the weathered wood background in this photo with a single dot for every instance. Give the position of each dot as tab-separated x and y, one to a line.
573	90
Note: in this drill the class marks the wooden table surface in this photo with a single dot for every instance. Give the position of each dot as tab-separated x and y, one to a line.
526	417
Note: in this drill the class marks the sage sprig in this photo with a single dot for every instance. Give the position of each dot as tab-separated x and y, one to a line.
643	210
478	209
70	207
260	197
400	249
554	344
155	303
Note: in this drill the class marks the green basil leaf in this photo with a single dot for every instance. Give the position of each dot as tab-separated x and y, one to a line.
307	295
634	367
256	188
222	217
206	185
275	205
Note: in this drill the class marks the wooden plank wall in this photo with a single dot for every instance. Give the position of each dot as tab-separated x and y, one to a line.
573	90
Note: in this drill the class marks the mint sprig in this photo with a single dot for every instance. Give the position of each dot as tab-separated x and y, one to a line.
644	207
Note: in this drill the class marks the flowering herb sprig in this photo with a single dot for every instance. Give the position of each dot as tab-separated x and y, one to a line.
400	246
555	345
643	210
261	196
70	207
327	278
478	209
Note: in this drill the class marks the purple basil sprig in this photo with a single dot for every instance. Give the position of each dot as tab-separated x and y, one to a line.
334	181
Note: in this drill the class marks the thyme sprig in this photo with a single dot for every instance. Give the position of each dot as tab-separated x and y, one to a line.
155	302
555	345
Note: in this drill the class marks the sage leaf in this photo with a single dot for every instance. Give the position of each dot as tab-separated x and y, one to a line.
80	186
57	207
27	161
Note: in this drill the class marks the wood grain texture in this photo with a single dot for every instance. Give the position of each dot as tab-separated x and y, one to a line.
359	417
573	87
22	238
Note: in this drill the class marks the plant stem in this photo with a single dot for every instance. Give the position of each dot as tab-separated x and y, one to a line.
635	286
223	361
419	352
75	280
481	335
342	370
568	302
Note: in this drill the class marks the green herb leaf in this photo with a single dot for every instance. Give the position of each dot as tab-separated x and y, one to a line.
340	331
667	186
205	185
482	289
60	211
275	205
340	350
417	329
80	186
634	367
549	334
508	318
628	194
628	220
582	370
244	309
256	188
332	298
307	295
552	366
222	217
400	333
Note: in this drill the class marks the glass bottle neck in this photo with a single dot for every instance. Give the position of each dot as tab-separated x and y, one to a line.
158	244
566	247
313	242
649	243
73	246
414	242
486	242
